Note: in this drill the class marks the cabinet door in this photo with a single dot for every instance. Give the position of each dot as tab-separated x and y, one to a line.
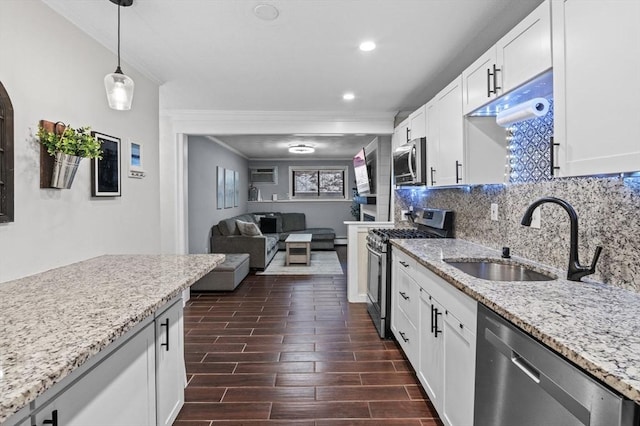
170	368
525	51
596	55
459	371
479	82
450	134
433	153
120	390
418	123
400	134
431	352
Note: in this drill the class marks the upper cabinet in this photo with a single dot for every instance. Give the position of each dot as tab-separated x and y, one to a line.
596	55
418	123
523	53
400	134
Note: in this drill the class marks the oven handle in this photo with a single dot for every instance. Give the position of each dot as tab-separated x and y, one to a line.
375	253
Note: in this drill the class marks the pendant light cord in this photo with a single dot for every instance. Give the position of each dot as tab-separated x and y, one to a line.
119	6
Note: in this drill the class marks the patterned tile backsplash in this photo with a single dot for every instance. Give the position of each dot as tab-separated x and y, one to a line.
607	210
529	146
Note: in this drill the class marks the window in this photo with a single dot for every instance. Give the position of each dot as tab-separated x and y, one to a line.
317	183
6	157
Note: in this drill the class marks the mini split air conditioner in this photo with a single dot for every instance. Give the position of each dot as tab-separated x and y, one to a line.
264	175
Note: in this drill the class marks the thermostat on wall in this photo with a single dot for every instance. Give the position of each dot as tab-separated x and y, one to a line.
135	161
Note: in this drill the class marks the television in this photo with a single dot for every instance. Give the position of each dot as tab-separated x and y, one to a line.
363	171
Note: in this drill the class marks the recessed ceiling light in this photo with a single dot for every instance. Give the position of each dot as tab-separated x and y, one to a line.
367	46
348	96
301	149
266	12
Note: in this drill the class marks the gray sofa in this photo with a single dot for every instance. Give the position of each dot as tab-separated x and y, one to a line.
275	226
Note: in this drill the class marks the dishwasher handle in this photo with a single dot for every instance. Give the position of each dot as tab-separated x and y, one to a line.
546	383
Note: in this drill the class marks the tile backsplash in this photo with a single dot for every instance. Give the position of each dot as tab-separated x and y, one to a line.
608	215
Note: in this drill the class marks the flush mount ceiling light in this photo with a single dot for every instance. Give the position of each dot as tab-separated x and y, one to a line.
348	96
367	46
301	149
266	12
119	86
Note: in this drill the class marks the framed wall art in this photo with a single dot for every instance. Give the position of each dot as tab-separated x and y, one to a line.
220	188
229	190
236	186
105	172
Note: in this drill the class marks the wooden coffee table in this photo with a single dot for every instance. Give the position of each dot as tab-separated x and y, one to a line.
298	249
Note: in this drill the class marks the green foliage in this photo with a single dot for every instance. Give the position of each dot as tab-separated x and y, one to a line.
77	142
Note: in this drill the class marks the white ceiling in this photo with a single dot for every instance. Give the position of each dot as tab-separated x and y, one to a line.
217	55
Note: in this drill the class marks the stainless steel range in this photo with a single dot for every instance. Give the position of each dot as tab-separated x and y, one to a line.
430	223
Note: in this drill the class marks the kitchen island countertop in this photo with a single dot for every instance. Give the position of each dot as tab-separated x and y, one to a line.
594	325
53	322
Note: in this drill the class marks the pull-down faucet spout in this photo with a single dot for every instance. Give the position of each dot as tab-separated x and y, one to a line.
575	271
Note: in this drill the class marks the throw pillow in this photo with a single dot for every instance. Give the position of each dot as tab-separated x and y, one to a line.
248	229
269	225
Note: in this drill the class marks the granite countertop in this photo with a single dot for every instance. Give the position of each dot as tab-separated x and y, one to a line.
52	322
595	325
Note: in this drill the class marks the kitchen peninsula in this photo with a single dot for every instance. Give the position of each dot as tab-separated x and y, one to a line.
56	328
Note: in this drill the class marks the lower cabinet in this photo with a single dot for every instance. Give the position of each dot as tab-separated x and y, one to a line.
118	391
140	381
170	368
446	330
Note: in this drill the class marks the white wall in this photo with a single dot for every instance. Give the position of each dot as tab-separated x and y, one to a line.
53	71
204	156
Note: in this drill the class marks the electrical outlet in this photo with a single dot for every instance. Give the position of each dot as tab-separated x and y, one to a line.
494	211
535	218
403	214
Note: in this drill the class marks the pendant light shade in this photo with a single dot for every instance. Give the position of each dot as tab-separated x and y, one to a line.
119	86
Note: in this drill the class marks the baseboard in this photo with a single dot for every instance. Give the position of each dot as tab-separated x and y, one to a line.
340	241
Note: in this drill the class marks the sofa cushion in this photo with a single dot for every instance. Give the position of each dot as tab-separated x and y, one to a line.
228	226
248	229
293	222
272	242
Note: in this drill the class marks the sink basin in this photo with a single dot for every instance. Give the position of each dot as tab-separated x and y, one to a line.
498	271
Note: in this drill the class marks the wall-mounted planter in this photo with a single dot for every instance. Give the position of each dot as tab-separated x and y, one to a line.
65	167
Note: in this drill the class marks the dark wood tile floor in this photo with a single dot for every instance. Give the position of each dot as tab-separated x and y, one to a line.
290	350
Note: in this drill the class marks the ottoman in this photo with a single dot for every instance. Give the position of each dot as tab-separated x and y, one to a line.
226	276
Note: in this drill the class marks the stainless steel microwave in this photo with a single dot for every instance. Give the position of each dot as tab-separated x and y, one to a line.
410	163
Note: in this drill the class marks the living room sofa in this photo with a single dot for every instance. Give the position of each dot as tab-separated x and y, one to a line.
275	228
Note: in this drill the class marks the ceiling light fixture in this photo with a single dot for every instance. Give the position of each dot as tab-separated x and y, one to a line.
301	149
367	46
348	96
119	86
266	12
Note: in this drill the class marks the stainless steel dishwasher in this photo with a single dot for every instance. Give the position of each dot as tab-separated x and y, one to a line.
521	382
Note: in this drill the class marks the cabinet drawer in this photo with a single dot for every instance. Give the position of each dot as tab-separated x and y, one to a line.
407	335
407	297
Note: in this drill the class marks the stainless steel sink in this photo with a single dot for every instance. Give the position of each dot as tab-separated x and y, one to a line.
499	271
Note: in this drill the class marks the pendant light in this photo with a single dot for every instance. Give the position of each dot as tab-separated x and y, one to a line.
119	86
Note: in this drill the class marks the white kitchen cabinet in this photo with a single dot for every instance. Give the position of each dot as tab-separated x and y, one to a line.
431	357
444	321
405	306
170	368
479	81
596	55
450	135
120	390
400	134
418	123
433	153
459	370
520	55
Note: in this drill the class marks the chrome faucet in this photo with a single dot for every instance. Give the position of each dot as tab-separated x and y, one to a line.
576	271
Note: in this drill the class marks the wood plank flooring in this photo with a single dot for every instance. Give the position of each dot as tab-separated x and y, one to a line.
290	350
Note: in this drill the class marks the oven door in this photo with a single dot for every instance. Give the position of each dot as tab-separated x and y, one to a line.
376	289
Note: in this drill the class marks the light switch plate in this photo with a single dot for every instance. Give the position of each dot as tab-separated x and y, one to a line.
494	211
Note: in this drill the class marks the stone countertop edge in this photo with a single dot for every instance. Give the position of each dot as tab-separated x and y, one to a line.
53	322
594	325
